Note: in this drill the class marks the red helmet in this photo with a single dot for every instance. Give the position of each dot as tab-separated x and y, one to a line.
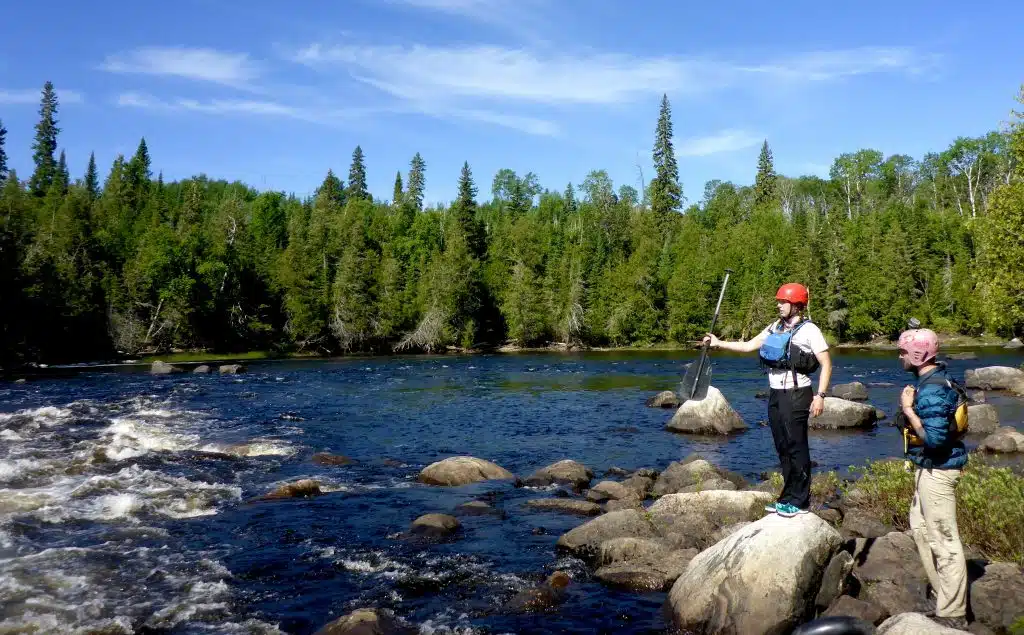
919	345
792	292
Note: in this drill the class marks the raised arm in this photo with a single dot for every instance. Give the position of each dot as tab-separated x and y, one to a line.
738	347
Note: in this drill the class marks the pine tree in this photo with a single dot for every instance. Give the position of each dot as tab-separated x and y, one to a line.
357	177
92	179
464	211
396	197
416	183
666	192
3	152
765	185
45	143
138	176
62	178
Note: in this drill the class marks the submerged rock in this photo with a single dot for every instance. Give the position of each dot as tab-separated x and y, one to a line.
548	594
710	415
299	489
664	399
324	458
367	621
463	470
566	505
434	525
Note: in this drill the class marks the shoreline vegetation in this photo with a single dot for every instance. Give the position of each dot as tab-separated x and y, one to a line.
131	265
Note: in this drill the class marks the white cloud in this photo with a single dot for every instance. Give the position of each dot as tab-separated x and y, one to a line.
827	65
203	64
723	141
32	96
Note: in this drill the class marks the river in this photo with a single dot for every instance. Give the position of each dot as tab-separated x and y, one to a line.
127	499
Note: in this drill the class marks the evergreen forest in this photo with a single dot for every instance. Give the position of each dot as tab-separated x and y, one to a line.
120	262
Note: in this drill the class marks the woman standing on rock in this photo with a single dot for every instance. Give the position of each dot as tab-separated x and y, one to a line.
791	348
939	457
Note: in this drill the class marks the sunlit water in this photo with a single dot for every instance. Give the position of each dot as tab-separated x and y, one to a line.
126	500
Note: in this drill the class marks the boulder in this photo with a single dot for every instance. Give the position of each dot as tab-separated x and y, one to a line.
690	520
833	580
434	525
231	369
997	597
548	594
639	485
163	368
303	488
366	622
202	369
860	609
710	415
1005	440
653	571
841	414
610	490
478	508
680	475
463	470
585	541
982	419
859	524
762	579
1014	344
566	505
567	472
890	573
325	458
962	356
664	399
993	377
853	391
623	503
914	624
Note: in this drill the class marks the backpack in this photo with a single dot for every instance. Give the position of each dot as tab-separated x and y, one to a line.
776	351
958	423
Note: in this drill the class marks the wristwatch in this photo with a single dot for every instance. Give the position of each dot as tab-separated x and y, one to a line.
821	394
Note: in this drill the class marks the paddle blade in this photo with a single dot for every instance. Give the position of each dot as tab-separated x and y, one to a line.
695	382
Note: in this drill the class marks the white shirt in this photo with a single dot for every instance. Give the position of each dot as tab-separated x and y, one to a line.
809	339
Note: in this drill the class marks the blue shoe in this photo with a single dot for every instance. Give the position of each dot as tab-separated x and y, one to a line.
788	511
770	508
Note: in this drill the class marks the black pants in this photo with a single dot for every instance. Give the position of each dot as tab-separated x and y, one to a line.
788	412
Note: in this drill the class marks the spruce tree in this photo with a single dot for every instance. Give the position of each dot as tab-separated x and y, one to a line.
766	183
62	178
45	143
357	177
464	211
92	179
396	197
666	193
416	183
3	152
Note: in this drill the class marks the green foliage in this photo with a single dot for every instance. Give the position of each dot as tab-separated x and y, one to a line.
885	489
138	266
3	152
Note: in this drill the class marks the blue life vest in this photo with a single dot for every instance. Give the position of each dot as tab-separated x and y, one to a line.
777	351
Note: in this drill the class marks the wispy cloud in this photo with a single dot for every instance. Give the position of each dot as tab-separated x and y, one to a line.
239	107
729	140
201	64
828	65
32	96
519	16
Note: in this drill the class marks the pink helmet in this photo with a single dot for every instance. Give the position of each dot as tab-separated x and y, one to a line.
919	345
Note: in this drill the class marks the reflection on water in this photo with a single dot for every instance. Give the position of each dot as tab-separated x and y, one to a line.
128	501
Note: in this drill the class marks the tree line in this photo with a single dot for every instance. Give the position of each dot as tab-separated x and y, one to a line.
136	264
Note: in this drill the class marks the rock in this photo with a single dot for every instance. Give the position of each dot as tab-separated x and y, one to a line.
20	380
841	414
962	356
323	458
683	474
567	505
366	622
616	471
982	419
993	377
299	489
914	624
1005	440
639	485
833	580
609	490
1015	343
585	541
761	394
890	573
830	515
462	470
566	472
761	579
976	396
434	525
997	597
646	574
202	369
724	532
623	503
478	508
711	415
163	368
853	607
232	369
664	399
688	520
628	548
548	594
853	391
859	524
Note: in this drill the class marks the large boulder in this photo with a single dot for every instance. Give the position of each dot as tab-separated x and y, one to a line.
692	474
610	490
914	624
982	418
994	377
691	520
890	573
841	414
585	541
463	470
641	565
997	597
710	415
163	368
1005	440
762	579
853	391
567	472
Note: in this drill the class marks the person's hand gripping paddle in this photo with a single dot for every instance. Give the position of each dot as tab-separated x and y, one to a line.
698	376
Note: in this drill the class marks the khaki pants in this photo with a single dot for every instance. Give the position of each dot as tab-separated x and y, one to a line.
933	521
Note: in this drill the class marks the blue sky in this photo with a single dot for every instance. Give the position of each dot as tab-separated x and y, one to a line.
276	93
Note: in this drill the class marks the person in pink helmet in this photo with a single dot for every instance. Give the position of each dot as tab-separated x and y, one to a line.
934	448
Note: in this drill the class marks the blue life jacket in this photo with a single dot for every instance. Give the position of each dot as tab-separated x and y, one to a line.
778	352
935	403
